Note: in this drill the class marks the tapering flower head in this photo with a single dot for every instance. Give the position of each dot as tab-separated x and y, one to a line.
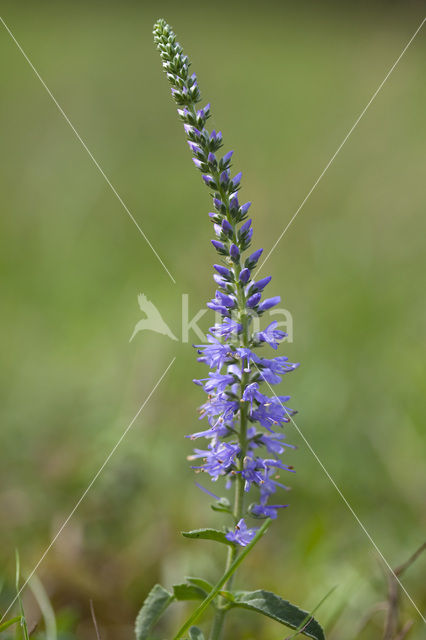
244	431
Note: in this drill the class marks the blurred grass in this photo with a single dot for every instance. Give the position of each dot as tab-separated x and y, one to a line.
286	83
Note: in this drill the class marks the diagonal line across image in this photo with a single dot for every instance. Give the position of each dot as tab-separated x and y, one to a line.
85	147
89	486
339	148
98	473
346	502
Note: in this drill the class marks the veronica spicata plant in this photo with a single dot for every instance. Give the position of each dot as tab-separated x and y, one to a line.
244	425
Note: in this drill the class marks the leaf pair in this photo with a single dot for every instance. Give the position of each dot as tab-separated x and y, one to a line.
260	601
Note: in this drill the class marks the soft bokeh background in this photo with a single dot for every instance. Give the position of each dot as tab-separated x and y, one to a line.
287	81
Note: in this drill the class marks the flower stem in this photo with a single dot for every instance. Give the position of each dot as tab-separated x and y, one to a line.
238	511
223	580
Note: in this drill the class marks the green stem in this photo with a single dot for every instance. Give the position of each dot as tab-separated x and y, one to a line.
238	510
220	614
223	580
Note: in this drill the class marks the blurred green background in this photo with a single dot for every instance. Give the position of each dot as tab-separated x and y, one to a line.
286	82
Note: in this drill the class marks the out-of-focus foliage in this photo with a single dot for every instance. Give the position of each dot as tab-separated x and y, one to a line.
350	269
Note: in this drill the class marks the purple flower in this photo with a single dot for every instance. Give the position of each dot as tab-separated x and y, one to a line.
252	260
219	429
219	405
251	392
265	510
252	472
224	177
195	148
219	246
246	355
271	335
222	270
198	163
247	238
214	354
269	485
234	205
273	412
184	113
228	301
254	300
260	284
245	227
227	328
190	130
243	210
222	303
271	370
236	180
268	463
217	381
245	276
218	204
216	305
209	181
234	252
269	303
242	421
226	226
217	459
218	230
274	444
221	282
202	113
241	534
227	157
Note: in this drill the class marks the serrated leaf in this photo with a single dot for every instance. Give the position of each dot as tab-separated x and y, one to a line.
201	583
208	534
154	606
195	634
271	605
188	592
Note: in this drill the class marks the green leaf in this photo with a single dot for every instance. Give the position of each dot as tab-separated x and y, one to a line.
9	623
199	582
188	592
310	615
217	587
228	595
208	534
280	610
45	606
195	634
222	504
22	620
153	608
